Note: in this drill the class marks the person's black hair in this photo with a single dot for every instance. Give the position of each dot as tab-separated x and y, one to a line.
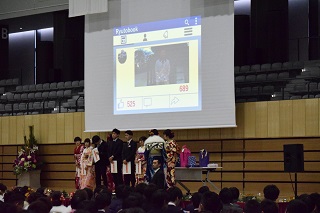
103	199
89	193
271	192
235	193
168	133
100	189
13	197
41	190
117	131
225	195
132	210
95	139
297	206
88	205
159	199
252	206
123	191
79	196
140	187
158	158
77	139
56	198
3	187
143	138
8	207
269	206
129	132
211	202
132	201
174	193
154	131
203	189
33	197
308	201
149	190
196	198
39	206
87	140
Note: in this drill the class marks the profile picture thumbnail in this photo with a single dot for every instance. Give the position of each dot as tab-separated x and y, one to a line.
122	57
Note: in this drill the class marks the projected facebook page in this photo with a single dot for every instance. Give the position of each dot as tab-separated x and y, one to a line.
157	66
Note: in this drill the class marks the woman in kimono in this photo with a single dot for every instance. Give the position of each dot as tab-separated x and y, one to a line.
87	174
141	172
172	151
78	149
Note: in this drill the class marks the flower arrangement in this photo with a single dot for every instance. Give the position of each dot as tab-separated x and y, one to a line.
27	159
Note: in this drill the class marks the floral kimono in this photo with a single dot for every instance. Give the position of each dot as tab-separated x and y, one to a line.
87	174
77	157
172	150
142	164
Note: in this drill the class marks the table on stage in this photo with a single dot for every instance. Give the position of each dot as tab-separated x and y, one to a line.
194	174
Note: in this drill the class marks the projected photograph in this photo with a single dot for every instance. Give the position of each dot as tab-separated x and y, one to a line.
162	65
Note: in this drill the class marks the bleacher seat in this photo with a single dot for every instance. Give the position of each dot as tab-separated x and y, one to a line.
68	84
39	87
255	68
52	94
60	85
46	86
250	78
81	83
2	82
272	76
25	88
265	67
294	97
19	88
15	81
236	70
9	82
38	95
283	75
45	95
261	77
287	65
32	88
31	96
53	86
276	66
75	84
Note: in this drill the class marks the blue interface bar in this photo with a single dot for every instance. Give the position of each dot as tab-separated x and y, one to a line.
158	25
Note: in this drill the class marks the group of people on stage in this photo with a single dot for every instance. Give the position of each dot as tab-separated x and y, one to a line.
116	162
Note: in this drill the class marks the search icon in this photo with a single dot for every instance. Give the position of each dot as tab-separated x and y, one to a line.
186	22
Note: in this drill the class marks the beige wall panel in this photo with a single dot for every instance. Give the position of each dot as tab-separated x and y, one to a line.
8	167
299	117
83	126
204	134
215	133
8	175
311	156
51	124
60	185
308	177
196	146
308	188
232	145
9	183
311	166
227	166
273	119
227	133
232	156
44	129
192	134
266	176
5	130
285	114
59	167
254	189
69	127
13	131
213	176
233	184
57	159
1	118
179	134
77	123
310	143
239	130
215	157
312	117
20	129
256	166
250	120
232	176
61	129
59	149
261	119
28	121
264	145
37	127
57	175
267	156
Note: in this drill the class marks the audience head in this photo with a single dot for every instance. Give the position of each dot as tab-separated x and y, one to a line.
42	205
132	201
175	195
203	189
89	193
33	197
308	201
271	192
56	198
156	164
140	187
79	196
297	206
41	190
8	207
149	190
3	188
14	198
196	198
252	206
159	199
88	205
103	200
225	195
123	191
168	134
210	202
269	206
235	193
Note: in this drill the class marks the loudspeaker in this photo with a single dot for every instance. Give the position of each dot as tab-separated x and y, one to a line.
293	157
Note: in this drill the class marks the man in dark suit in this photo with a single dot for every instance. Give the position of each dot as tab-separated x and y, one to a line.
115	154
175	196
101	165
128	155
158	177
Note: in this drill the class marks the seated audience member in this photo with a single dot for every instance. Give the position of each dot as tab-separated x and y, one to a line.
252	206
122	192
194	206
226	197
103	201
79	196
39	206
308	201
297	206
32	198
7	207
269	206
203	189
271	192
317	209
132	201
89	193
210	202
132	210
235	195
3	190
158	177
88	205
57	205
175	196
15	198
148	192
159	201
140	187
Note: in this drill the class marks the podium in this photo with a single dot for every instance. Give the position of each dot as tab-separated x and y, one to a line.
194	174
